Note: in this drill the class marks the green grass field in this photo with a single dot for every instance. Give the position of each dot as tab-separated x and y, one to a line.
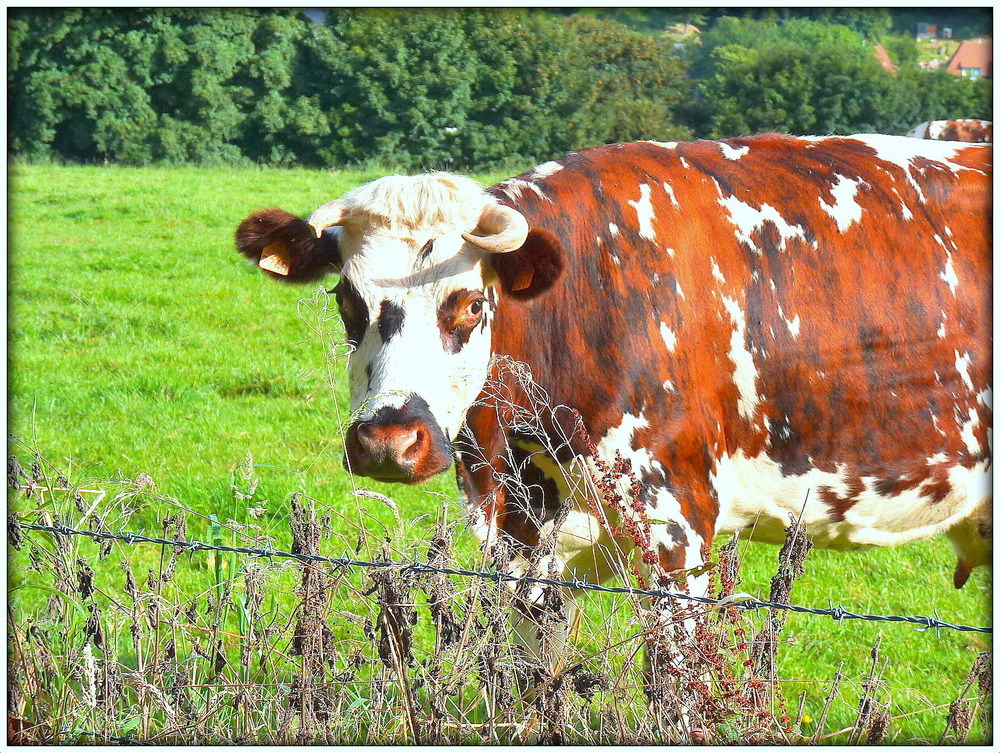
140	342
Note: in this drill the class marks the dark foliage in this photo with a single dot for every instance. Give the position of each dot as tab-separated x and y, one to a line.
449	88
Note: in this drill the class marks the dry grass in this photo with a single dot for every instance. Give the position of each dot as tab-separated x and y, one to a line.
111	641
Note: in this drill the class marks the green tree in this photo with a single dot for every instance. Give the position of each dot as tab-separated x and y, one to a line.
531	88
136	86
800	76
914	96
873	24
71	89
638	82
902	49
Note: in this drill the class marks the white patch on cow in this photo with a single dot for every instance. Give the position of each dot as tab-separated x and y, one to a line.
669	338
664	144
671	195
968	431
619	440
901	151
744	370
546	169
684	163
939	457
986	397
614	230
644	210
677	287
907	214
920	132
621	435
941	328
948	274
717	273
484	529
669	386
730	152
962	363
793	325
974	484
754	495
670	252
749	220
845	210
515	187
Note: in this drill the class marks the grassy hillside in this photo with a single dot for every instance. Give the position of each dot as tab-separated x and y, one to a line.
140	343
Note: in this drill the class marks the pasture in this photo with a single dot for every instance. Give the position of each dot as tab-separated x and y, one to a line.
149	360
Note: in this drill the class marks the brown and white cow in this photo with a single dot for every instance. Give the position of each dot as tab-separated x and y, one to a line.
761	327
971	131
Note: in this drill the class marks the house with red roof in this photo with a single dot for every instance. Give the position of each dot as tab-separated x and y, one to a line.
973	59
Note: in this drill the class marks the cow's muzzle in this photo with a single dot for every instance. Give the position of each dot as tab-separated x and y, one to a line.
398	444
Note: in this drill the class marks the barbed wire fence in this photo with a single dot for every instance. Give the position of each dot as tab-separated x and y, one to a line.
742	602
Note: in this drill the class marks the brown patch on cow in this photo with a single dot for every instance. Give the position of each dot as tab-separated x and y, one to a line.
963	570
462	311
893	486
985	528
937	488
836	505
670	558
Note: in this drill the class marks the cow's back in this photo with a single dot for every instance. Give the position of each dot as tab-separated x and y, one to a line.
971	131
778	315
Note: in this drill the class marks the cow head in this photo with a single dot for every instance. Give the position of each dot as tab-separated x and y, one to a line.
423	262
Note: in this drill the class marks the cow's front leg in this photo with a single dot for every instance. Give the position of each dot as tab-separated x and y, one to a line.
542	616
573	547
674	671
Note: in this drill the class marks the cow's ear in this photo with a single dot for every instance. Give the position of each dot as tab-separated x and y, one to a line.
283	246
533	268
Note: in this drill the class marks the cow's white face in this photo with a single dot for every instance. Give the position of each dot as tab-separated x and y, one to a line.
417	308
421	260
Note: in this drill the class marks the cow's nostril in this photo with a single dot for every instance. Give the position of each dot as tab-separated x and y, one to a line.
366	431
412	445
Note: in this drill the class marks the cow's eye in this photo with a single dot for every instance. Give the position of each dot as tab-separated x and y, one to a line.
353	310
461	312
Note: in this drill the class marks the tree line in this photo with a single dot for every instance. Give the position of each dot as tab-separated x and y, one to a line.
440	87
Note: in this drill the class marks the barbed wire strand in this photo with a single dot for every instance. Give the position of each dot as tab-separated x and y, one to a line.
745	603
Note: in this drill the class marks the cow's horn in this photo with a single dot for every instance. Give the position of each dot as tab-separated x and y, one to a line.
500	229
326	216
